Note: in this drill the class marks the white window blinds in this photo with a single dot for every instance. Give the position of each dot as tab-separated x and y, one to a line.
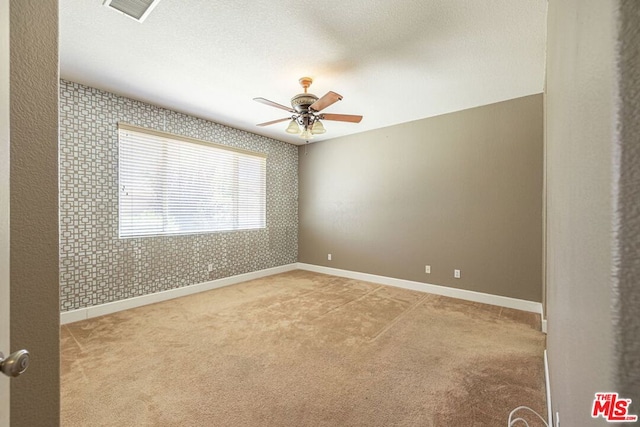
176	185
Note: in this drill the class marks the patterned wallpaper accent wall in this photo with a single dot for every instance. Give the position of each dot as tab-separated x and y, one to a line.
96	266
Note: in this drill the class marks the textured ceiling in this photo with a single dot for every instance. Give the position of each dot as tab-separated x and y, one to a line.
392	61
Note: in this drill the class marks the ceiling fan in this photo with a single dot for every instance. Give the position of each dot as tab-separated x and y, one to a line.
306	107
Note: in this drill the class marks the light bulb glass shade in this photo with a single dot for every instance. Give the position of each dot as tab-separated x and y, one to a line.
306	134
318	128
293	127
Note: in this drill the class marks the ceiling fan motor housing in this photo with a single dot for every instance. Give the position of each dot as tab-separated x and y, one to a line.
302	101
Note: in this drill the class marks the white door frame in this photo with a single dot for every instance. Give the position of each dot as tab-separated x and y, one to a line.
4	204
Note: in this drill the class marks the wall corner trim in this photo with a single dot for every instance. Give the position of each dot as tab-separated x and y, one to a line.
115	306
507	302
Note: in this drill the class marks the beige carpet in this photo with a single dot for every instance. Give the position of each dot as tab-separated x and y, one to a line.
303	349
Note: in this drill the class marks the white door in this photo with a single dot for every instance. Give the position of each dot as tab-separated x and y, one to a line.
4	204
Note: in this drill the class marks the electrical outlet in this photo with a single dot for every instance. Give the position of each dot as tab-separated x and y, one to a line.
329	257
209	268
427	269
456	274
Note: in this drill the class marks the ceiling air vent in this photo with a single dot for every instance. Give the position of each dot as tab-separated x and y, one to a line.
136	9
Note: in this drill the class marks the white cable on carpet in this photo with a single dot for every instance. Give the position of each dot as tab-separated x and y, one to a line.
511	423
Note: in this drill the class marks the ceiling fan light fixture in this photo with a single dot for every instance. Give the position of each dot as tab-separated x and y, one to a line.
318	128
293	127
306	134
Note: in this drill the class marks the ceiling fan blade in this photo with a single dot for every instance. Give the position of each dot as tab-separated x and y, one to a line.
328	99
274	104
273	122
342	117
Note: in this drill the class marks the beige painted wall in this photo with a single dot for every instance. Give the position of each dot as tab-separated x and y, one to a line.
593	176
35	396
458	191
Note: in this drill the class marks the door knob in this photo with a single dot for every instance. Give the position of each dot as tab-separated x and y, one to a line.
15	364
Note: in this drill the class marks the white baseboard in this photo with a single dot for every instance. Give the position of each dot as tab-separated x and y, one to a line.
548	389
113	307
518	304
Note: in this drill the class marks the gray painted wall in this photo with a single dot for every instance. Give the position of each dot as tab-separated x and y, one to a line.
458	191
627	207
96	266
593	204
35	397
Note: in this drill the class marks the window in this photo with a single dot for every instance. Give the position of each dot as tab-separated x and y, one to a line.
171	184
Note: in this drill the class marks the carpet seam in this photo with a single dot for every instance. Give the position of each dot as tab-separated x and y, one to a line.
74	338
397	318
347	303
